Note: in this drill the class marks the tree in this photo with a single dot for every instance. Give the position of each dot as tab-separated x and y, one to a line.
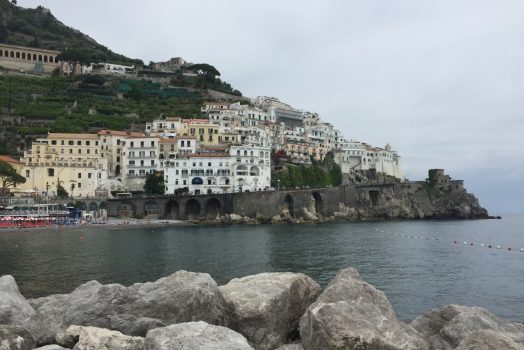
61	191
74	58
206	70
14	2
9	176
155	184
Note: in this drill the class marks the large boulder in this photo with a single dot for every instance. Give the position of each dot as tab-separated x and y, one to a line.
352	314
15	338
51	347
267	307
195	336
14	308
461	327
181	297
90	338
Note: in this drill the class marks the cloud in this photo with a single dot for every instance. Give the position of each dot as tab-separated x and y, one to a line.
441	81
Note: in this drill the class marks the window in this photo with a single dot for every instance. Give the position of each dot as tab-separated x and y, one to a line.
79	175
152	143
50	172
53	142
70	151
27	173
71	143
79	143
88	143
79	185
185	182
88	175
79	151
188	143
208	163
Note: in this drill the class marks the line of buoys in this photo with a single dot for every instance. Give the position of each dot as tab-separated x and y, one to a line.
489	246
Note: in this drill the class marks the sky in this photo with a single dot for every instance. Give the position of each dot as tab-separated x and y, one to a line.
441	81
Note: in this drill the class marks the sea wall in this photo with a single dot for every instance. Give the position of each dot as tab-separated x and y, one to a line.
445	199
280	310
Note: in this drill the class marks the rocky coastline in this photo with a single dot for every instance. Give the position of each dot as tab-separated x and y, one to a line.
285	311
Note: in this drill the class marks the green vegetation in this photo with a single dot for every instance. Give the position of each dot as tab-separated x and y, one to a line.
9	176
318	174
39	28
155	184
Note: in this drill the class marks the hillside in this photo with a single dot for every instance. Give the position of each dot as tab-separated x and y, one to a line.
32	106
39	28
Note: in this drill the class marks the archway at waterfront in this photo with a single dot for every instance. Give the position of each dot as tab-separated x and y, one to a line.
212	208
126	210
151	210
319	205
288	205
172	210
192	209
92	206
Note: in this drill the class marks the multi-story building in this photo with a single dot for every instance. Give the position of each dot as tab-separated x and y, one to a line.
357	156
242	168
28	59
111	145
72	160
140	157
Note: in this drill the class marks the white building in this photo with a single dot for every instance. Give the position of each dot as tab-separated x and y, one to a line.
140	157
243	168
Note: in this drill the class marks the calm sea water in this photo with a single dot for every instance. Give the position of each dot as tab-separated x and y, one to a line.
416	263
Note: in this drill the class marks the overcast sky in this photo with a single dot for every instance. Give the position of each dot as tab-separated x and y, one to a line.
442	81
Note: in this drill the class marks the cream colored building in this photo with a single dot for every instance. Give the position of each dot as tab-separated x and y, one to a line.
72	160
111	145
28	59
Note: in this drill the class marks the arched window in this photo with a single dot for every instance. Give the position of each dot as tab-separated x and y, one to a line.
17	54
12	54
34	57
39	58
1	53
45	58
245	153
242	170
51	59
23	55
28	56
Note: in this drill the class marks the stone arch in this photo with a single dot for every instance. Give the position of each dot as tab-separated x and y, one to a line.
151	209
319	205
254	171
211	181
12	54
224	181
28	56
213	206
288	205
92	206
23	55
51	59
241	170
34	57
103	205
39	58
192	209
172	210
17	55
45	58
126	210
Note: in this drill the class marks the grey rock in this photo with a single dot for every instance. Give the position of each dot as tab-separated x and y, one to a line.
15	338
14	308
181	297
195	336
450	326
291	347
488	340
51	347
91	338
352	314
267	307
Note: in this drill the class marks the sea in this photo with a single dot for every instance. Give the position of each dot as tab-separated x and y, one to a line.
418	264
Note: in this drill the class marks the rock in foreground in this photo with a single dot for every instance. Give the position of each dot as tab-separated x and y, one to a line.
88	338
267	307
352	314
15	338
195	336
180	297
464	327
